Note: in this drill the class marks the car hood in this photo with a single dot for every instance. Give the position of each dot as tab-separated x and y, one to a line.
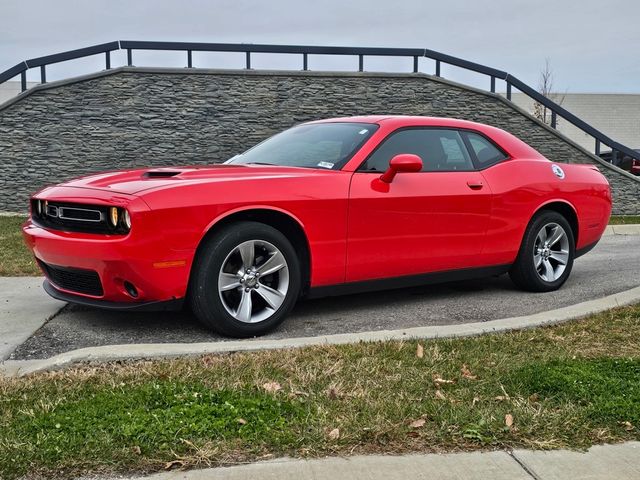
134	182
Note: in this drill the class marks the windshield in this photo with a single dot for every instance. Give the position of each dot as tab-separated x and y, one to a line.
317	145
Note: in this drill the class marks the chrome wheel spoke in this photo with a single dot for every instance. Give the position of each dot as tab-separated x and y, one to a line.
538	260
549	274
272	297
556	235
561	257
228	281
247	253
542	235
274	263
244	309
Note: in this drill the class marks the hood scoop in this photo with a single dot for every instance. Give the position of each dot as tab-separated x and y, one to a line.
160	173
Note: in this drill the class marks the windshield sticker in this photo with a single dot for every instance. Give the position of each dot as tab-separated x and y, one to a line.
363	131
326	164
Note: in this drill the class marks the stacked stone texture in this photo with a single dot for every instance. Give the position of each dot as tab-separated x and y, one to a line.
137	118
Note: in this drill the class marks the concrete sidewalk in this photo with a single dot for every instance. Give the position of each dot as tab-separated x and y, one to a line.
24	308
619	462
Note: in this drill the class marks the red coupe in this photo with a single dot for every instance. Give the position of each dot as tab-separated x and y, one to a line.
323	208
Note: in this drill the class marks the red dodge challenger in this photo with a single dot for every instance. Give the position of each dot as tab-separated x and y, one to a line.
323	208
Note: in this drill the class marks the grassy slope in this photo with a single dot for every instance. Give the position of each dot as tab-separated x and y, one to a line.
566	386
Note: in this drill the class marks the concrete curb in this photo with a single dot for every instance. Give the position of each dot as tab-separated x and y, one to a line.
171	350
600	462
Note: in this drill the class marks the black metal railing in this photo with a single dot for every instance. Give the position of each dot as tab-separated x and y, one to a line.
305	51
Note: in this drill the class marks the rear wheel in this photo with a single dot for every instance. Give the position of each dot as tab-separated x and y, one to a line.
546	255
246	280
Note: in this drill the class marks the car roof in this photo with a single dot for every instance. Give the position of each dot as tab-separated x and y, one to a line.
407	120
511	144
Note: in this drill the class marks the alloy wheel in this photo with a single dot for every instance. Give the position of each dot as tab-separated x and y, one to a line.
253	281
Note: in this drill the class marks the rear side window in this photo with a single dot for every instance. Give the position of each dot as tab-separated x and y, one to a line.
439	149
486	152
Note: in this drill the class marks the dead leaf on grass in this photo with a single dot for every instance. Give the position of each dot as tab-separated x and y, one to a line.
418	423
334	434
440	395
333	393
627	426
272	387
419	351
475	400
241	421
136	449
439	380
508	420
173	463
466	373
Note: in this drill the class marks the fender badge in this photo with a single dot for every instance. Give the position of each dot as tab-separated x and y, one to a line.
557	171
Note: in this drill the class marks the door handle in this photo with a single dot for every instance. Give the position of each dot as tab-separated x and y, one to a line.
475	185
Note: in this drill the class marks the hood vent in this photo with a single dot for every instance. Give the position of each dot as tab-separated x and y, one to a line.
160	174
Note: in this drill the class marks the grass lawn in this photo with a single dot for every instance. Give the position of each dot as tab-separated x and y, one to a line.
16	260
566	386
624	219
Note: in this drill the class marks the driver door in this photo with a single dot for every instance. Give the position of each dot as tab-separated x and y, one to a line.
421	222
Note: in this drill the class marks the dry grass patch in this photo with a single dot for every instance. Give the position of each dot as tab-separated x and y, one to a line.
566	386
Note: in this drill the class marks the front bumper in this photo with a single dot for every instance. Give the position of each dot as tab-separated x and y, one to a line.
141	258
152	306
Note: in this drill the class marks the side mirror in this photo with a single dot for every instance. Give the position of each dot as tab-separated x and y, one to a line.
405	162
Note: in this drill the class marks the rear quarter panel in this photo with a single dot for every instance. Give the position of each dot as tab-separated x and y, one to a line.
521	187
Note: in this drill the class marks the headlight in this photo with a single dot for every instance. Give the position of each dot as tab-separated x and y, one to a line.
127	219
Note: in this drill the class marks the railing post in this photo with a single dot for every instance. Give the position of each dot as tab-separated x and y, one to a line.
23	81
305	62
107	60
437	68
614	154
554	119
508	91
597	147
129	57
361	63
493	84
415	64
189	59
248	60
43	74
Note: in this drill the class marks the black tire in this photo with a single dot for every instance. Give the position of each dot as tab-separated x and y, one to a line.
524	272
204	296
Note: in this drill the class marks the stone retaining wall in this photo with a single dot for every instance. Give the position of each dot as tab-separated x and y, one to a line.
131	117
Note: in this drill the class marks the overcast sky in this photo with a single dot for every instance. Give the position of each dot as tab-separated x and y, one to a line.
593	46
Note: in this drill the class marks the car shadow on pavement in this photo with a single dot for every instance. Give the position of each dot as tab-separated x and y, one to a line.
78	326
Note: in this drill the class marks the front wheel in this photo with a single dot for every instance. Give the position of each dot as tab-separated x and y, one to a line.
246	280
546	255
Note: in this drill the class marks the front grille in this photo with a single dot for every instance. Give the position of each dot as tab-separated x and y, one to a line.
74	217
73	279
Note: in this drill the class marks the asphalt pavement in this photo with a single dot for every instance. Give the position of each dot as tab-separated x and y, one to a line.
612	267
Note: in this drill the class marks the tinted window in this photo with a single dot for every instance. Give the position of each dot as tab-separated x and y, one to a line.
486	152
440	150
320	145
